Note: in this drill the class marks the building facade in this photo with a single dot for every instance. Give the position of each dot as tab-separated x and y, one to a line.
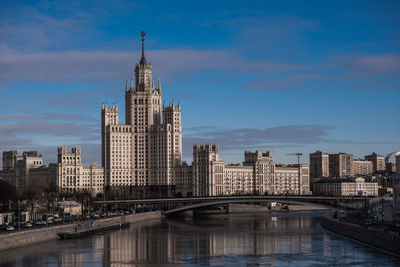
73	177
341	165
258	175
391	167
396	191
345	187
362	167
378	161
46	176
10	160
147	149
20	170
292	179
319	164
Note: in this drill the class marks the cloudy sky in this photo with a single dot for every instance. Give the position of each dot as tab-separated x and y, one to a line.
289	76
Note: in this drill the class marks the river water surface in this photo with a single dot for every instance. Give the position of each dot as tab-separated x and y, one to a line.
293	239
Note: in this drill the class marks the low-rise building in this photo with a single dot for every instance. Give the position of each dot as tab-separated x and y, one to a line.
71	207
384	180
345	187
6	217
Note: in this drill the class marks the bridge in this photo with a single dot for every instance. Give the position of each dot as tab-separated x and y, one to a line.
176	205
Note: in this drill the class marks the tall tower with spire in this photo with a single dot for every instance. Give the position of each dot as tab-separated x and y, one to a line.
147	149
143	71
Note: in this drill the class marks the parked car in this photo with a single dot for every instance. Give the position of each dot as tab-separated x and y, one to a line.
47	217
67	216
10	228
28	225
75	217
40	222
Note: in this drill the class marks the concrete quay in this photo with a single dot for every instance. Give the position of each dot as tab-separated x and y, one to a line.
31	237
386	240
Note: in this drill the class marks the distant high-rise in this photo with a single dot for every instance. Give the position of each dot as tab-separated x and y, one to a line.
362	167
319	164
341	165
9	159
396	191
378	161
17	169
398	164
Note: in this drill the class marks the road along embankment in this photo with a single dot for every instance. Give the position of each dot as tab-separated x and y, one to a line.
34	236
389	241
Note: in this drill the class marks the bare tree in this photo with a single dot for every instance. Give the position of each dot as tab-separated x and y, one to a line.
85	198
8	195
34	194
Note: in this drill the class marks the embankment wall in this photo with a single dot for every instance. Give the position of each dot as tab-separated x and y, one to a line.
34	236
373	237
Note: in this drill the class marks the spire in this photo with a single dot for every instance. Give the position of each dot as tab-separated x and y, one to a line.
159	84
126	86
143	60
132	82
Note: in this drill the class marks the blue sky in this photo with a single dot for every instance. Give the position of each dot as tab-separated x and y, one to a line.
292	76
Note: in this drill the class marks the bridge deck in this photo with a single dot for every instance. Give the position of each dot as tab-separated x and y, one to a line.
226	202
207	199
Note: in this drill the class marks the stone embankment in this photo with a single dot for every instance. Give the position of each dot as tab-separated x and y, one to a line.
34	236
375	237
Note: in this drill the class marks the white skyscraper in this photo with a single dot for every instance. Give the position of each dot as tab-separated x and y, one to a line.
147	149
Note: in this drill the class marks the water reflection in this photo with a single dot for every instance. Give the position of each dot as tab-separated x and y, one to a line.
229	240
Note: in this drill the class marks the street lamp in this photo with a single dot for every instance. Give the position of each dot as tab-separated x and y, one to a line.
19	217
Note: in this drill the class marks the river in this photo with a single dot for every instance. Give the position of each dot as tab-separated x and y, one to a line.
281	239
